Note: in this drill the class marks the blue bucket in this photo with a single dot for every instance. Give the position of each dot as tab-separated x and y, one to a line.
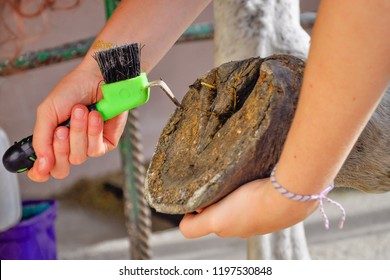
34	237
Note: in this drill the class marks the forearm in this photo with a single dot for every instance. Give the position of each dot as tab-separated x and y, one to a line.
347	71
155	24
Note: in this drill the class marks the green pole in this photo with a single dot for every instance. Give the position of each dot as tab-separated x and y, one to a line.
45	57
110	7
78	49
31	60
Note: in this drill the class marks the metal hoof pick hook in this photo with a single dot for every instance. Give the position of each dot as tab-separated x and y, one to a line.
166	89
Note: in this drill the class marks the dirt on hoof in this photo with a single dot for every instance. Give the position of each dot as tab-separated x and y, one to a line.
229	131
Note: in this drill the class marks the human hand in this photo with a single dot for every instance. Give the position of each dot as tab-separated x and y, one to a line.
252	209
88	136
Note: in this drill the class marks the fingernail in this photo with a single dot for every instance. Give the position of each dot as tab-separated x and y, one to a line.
62	134
95	121
41	163
78	113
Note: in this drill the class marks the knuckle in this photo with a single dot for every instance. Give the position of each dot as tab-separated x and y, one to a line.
97	153
77	159
41	109
94	132
60	174
61	150
220	233
77	126
111	145
217	228
37	178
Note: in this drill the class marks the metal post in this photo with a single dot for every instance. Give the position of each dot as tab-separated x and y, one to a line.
78	49
136	209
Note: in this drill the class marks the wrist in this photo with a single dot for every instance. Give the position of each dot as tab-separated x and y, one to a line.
89	65
290	210
320	197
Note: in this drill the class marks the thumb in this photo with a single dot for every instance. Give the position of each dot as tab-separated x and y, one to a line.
46	123
197	225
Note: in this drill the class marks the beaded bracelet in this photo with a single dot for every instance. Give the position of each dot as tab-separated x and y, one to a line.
320	197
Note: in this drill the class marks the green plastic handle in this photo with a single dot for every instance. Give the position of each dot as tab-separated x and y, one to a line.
122	96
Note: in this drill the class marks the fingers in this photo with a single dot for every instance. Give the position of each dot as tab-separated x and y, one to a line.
78	87
86	135
113	130
43	142
78	135
236	215
40	170
61	164
197	225
72	146
96	145
61	153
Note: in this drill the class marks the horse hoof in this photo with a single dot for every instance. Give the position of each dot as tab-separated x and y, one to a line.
229	131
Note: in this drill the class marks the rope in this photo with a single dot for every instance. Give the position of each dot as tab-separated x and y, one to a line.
137	212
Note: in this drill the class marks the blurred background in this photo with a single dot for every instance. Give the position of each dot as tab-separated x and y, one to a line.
90	202
20	94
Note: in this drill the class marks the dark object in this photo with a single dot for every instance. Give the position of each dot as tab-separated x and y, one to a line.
34	237
118	193
116	64
119	63
113	189
229	131
21	156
